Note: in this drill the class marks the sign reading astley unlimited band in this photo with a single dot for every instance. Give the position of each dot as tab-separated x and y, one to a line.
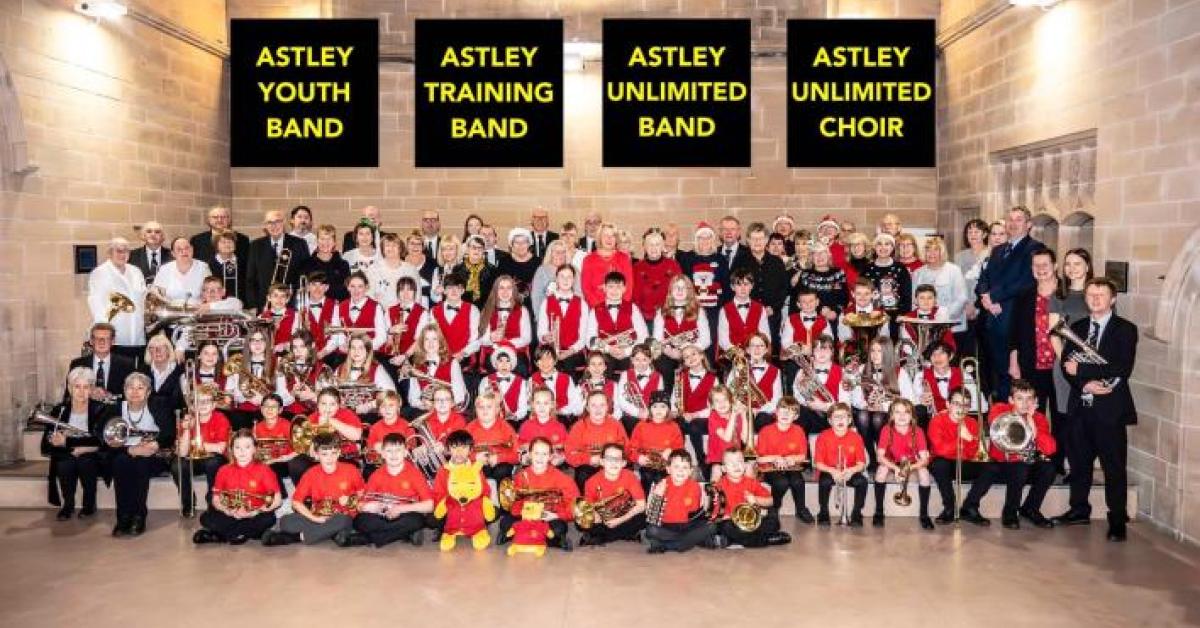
861	93
489	93
304	93
676	93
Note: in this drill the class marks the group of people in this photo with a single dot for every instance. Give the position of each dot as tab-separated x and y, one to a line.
688	388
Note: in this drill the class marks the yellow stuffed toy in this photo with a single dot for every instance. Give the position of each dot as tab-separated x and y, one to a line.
467	508
529	535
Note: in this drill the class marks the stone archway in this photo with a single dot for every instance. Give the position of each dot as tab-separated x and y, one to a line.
1045	230
1075	231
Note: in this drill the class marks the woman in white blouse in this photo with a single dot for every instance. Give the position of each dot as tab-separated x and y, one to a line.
364	255
181	279
947	279
388	269
118	276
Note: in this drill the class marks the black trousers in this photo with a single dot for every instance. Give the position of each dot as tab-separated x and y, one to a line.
666	369
183	470
1015	475
942	470
1093	436
996	333
783	481
627	531
681	537
582	473
83	470
650	477
757	538
858	483
131	481
380	530
557	526
812	421
298	465
498	471
228	527
869	425
696	430
281	474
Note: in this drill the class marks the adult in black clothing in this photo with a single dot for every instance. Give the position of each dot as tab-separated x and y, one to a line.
1101	407
1008	273
770	276
520	264
540	234
495	256
219	219
369	213
166	375
1031	352
477	274
108	368
226	265
149	257
826	281
892	281
75	453
264	256
327	260
710	276
139	458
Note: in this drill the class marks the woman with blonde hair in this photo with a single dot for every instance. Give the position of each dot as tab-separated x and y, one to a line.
598	264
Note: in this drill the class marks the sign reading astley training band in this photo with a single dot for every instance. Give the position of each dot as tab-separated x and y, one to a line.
489	93
304	93
861	93
676	93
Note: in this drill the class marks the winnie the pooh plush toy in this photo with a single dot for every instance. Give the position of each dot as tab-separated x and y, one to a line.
529	535
467	508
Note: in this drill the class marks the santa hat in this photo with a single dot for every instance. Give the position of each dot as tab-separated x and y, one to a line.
782	218
519	232
504	348
828	221
704	226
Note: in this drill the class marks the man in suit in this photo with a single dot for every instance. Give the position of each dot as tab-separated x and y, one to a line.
110	369
591	231
1100	406
149	257
264	254
219	219
431	232
542	236
228	266
1008	274
371	213
495	256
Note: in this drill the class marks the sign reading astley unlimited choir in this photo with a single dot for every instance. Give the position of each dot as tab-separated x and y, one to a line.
489	93
304	93
676	93
861	93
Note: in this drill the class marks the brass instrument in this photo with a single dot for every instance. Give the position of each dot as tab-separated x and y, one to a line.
271	448
160	311
747	517
588	514
431	384
387	499
677	391
745	392
841	499
977	404
682	339
227	329
490	448
116	432
633	396
394	339
909	358
194	440
656	505
118	303
59	426
329	506
346	329
229	275
654	459
809	387
509	494
903	499
623	341
304	431
864	327
248	384
772	467
283	262
241	499
1013	433
1085	353
927	331
303	305
422	450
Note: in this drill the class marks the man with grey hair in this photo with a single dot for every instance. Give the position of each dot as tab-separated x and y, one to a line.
116	295
1008	273
264	258
219	219
152	254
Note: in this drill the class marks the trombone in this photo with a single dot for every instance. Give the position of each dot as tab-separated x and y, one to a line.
840	498
283	262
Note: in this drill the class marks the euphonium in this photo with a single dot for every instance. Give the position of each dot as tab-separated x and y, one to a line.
810	387
118	303
1013	433
587	514
421	448
116	431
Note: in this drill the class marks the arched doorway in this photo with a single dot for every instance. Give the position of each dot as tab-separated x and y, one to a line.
1045	230
1075	232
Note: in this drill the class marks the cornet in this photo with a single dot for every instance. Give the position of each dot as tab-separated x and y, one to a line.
623	341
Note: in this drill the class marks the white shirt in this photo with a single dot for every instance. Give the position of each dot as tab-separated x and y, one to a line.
951	289
103	281
382	278
176	285
359	260
142	421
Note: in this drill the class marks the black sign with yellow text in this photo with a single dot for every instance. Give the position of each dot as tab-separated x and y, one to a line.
304	93
676	92
860	93
489	93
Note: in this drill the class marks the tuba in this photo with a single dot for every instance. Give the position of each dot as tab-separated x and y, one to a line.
864	327
160	311
587	514
118	303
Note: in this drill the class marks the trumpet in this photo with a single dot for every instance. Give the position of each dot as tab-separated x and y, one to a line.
330	506
840	497
509	494
118	303
587	514
623	341
490	448
271	448
386	499
116	432
654	459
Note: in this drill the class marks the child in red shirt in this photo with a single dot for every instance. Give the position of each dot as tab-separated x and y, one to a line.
902	443
325	501
390	422
540	476
246	496
589	435
614	490
543	423
495	439
654	439
840	458
739	489
675	510
726	427
782	455
396	501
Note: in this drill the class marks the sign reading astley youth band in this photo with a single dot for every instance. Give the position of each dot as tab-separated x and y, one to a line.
489	93
861	93
304	93
676	92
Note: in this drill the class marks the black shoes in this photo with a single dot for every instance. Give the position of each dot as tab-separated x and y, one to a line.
926	522
139	526
877	520
239	539
656	548
65	512
124	527
779	538
823	519
202	537
1036	518
417	538
1116	532
971	515
804	515
274	538
856	519
564	544
1073	518
349	538
717	541
946	517
586	539
1010	522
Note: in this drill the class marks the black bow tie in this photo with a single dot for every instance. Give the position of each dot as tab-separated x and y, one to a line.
405	310
504	309
504	378
743	306
924	317
314	306
354	309
943	380
564	301
823	371
758	369
431	363
642	378
452	308
679	308
695	376
809	319
614	308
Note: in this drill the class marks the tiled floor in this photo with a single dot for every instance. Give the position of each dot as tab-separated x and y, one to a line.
64	574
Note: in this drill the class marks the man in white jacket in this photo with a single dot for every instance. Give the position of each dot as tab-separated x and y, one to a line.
117	276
